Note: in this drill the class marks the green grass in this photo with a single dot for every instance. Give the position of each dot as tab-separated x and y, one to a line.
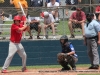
62	28
45	66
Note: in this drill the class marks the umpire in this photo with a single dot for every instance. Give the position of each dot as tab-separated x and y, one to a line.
68	55
92	39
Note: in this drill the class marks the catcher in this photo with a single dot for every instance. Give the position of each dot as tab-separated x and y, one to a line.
67	56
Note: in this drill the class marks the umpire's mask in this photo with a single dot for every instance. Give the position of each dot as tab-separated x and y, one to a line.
63	39
89	17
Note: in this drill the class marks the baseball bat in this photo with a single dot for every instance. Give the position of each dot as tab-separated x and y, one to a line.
22	9
23	14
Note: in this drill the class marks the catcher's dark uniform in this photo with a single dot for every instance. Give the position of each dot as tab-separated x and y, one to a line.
64	59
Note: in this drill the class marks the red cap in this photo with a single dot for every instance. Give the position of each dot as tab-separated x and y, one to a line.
42	14
17	18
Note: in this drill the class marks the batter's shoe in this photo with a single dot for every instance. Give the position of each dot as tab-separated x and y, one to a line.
24	69
4	71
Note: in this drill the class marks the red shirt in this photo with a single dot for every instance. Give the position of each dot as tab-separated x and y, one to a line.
81	16
15	35
97	9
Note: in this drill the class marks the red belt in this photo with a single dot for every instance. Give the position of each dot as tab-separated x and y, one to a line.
15	41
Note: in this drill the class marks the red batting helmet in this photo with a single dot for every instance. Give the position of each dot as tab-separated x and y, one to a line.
17	18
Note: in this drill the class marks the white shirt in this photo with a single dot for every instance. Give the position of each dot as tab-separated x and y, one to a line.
50	4
49	20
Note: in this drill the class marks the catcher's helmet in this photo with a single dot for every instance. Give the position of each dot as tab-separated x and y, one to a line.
17	18
65	38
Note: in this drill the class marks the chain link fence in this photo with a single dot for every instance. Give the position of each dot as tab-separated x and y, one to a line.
62	27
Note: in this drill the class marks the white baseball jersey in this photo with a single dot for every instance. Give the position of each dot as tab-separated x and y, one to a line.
52	5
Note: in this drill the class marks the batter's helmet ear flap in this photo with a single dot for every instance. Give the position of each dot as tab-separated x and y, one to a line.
17	18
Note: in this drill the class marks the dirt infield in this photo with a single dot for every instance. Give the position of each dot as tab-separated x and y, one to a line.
52	71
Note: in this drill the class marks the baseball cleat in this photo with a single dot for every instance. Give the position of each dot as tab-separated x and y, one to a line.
4	71
24	69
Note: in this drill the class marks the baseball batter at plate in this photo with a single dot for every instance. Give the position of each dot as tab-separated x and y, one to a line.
15	44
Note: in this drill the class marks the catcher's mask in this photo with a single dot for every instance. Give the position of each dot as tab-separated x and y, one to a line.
65	38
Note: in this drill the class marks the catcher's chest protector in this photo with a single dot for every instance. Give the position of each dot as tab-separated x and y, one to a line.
66	48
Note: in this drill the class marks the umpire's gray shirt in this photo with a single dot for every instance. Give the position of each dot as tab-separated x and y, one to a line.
92	29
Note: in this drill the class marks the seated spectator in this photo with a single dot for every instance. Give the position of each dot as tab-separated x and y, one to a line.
77	19
97	9
48	22
47	1
36	3
71	2
98	17
54	12
34	24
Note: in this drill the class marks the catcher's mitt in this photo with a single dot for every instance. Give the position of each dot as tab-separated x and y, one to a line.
2	1
60	57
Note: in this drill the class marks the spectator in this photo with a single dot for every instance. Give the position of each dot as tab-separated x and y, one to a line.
98	17
36	3
71	2
48	22
23	3
54	12
47	1
92	40
1	19
97	9
34	24
77	19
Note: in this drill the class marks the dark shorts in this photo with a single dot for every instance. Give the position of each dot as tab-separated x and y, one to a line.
34	26
77	26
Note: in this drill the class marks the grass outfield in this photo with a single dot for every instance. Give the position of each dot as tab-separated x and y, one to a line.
44	66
